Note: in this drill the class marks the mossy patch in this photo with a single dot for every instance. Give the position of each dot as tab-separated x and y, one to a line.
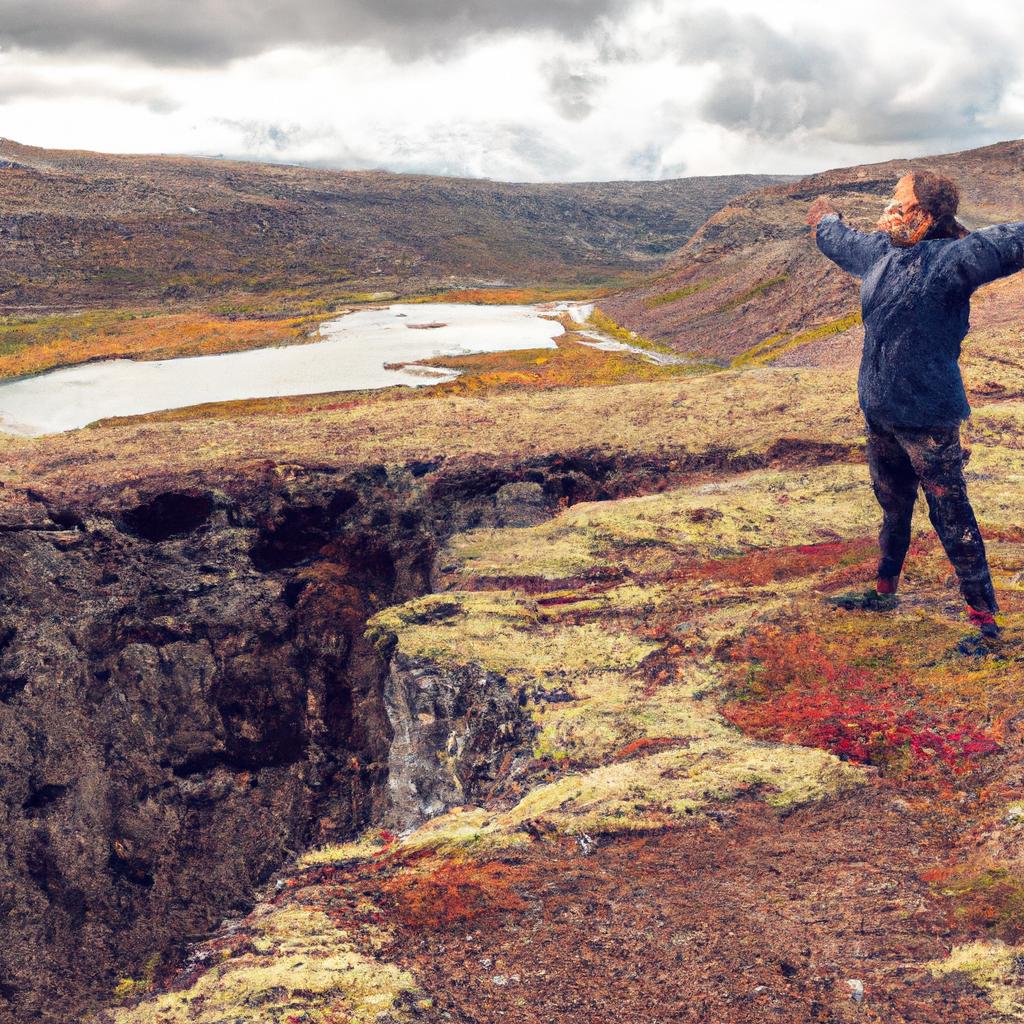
995	967
505	632
770	348
296	965
666	298
606	325
662	789
720	519
367	846
761	509
753	292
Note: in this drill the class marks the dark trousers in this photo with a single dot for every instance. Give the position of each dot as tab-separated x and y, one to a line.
899	461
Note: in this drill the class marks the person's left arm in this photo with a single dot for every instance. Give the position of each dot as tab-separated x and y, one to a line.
988	253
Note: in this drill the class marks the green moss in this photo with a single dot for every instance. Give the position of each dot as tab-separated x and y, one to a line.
463	830
20	332
660	789
751	293
653	301
993	967
128	989
503	632
297	965
606	325
611	711
366	847
759	509
771	348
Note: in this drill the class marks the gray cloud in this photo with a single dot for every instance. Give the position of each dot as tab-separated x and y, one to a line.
514	150
649	162
769	85
268	136
212	32
789	93
16	86
572	90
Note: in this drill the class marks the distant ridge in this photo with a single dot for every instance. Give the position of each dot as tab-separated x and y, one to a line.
91	228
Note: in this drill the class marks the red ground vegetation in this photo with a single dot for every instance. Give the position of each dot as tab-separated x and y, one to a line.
788	687
450	892
986	895
768	565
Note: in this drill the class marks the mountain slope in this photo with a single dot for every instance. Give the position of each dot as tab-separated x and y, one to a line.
751	284
79	227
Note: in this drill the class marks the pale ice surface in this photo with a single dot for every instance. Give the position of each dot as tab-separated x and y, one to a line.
350	358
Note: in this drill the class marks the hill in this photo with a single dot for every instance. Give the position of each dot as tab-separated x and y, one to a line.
751	286
79	228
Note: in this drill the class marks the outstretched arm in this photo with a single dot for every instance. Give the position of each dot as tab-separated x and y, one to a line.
988	253
854	251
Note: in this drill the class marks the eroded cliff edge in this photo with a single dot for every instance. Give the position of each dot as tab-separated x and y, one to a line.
187	696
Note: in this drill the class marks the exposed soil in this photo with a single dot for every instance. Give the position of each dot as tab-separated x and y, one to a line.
760	917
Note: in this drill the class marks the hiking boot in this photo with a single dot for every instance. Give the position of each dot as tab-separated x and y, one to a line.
866	601
986	623
986	640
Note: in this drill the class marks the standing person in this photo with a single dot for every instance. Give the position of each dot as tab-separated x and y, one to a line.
918	271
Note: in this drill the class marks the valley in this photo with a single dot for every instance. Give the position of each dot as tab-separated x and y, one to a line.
517	695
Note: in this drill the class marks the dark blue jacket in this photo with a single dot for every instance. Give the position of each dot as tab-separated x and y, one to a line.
916	305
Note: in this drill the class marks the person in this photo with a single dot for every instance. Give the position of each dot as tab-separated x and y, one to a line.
918	271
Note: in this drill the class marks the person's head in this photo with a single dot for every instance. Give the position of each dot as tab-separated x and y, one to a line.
923	205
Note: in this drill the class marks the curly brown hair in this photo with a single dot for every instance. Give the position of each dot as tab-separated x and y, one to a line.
939	196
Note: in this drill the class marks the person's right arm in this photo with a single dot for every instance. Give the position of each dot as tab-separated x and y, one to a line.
854	251
988	253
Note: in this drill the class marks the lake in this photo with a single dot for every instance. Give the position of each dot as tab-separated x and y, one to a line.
351	357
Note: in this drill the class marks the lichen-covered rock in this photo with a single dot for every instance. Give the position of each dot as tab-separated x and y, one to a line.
456	732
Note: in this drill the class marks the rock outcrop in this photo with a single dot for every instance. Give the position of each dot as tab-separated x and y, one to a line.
456	734
188	697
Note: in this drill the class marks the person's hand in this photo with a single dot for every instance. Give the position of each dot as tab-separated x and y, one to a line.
821	206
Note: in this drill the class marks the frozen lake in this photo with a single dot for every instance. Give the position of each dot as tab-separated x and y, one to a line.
350	357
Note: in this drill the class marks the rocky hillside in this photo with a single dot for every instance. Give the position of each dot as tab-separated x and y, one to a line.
751	286
86	228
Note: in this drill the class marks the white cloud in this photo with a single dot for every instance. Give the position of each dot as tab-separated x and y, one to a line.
570	89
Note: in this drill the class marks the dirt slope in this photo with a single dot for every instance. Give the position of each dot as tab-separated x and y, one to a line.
751	284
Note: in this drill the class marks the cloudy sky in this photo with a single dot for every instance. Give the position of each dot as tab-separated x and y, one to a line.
524	90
